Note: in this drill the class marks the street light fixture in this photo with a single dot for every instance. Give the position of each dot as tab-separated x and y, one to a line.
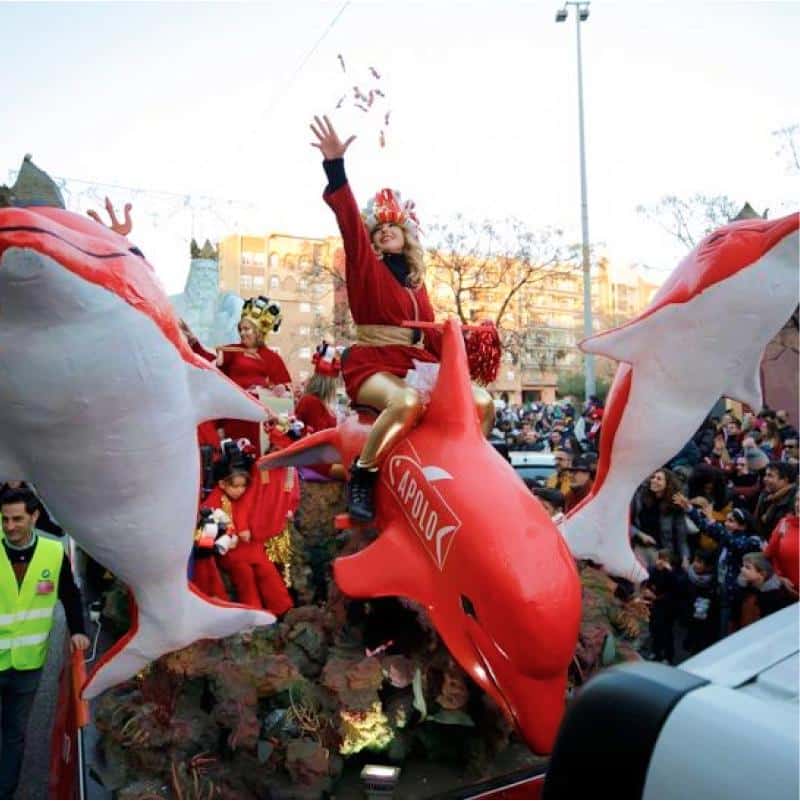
581	15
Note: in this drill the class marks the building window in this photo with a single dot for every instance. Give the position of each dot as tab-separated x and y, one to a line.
274	282
305	308
510	375
305	353
246	282
318	308
304	330
258	281
303	375
302	284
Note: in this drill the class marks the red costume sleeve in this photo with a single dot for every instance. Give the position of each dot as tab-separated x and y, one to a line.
276	368
201	351
359	255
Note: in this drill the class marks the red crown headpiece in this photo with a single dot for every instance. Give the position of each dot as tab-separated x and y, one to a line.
387	206
325	361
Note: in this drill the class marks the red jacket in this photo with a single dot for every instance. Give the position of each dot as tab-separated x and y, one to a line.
783	548
314	414
376	297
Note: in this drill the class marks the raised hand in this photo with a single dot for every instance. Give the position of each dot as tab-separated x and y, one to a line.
328	140
121	228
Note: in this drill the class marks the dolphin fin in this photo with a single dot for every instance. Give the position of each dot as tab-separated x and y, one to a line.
596	531
747	387
623	344
317	448
392	565
167	619
215	396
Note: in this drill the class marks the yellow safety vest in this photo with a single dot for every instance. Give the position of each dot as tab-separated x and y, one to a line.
26	612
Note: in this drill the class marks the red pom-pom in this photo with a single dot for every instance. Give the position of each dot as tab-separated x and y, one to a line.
483	353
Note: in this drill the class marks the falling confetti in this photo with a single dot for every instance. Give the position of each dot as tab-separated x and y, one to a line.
383	139
341	100
371	98
386	118
341	61
362	107
379	93
375	73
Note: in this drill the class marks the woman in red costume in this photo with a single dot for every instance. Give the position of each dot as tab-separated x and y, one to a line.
251	364
384	272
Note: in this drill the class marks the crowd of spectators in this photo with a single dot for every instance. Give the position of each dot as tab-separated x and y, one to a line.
716	527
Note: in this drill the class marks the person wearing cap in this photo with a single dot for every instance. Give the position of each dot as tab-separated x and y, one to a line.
384	273
785	429
314	409
580	482
251	364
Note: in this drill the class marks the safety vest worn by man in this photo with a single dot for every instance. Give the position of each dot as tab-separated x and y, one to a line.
26	611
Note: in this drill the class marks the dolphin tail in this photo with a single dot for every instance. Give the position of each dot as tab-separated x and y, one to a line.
164	621
596	531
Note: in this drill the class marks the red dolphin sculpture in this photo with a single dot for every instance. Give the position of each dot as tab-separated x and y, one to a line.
461	535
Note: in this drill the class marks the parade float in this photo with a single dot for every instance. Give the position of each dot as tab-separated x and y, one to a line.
452	632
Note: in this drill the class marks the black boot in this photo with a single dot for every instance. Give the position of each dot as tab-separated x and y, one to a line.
360	489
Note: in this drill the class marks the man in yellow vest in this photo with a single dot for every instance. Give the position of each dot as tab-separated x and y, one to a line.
34	574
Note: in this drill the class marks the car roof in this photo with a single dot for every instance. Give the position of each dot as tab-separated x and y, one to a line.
760	660
533	458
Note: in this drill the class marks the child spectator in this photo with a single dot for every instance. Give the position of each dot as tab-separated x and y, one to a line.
255	578
736	538
701	610
763	591
661	590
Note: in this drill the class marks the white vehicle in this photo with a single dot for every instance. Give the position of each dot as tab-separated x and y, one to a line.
533	465
723	724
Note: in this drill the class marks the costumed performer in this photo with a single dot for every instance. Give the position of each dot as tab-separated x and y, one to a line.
255	579
251	364
314	409
384	273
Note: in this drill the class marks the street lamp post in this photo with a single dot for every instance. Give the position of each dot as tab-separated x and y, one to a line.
581	15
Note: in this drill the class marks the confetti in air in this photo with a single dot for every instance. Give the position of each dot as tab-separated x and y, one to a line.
366	99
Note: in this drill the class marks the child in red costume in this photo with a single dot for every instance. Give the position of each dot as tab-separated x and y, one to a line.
251	364
314	407
206	575
254	577
384	274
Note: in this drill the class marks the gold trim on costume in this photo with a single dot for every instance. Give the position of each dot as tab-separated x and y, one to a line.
378	335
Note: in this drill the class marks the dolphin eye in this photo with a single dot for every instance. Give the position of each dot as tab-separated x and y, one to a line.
468	607
136	252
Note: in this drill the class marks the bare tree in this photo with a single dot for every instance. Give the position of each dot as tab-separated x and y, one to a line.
689	220
483	271
788	147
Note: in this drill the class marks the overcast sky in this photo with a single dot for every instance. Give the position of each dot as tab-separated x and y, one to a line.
214	100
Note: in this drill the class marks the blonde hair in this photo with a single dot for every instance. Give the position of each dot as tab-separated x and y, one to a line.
415	256
415	259
322	387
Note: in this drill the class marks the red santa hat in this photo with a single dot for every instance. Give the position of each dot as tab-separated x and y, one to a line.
325	361
387	206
